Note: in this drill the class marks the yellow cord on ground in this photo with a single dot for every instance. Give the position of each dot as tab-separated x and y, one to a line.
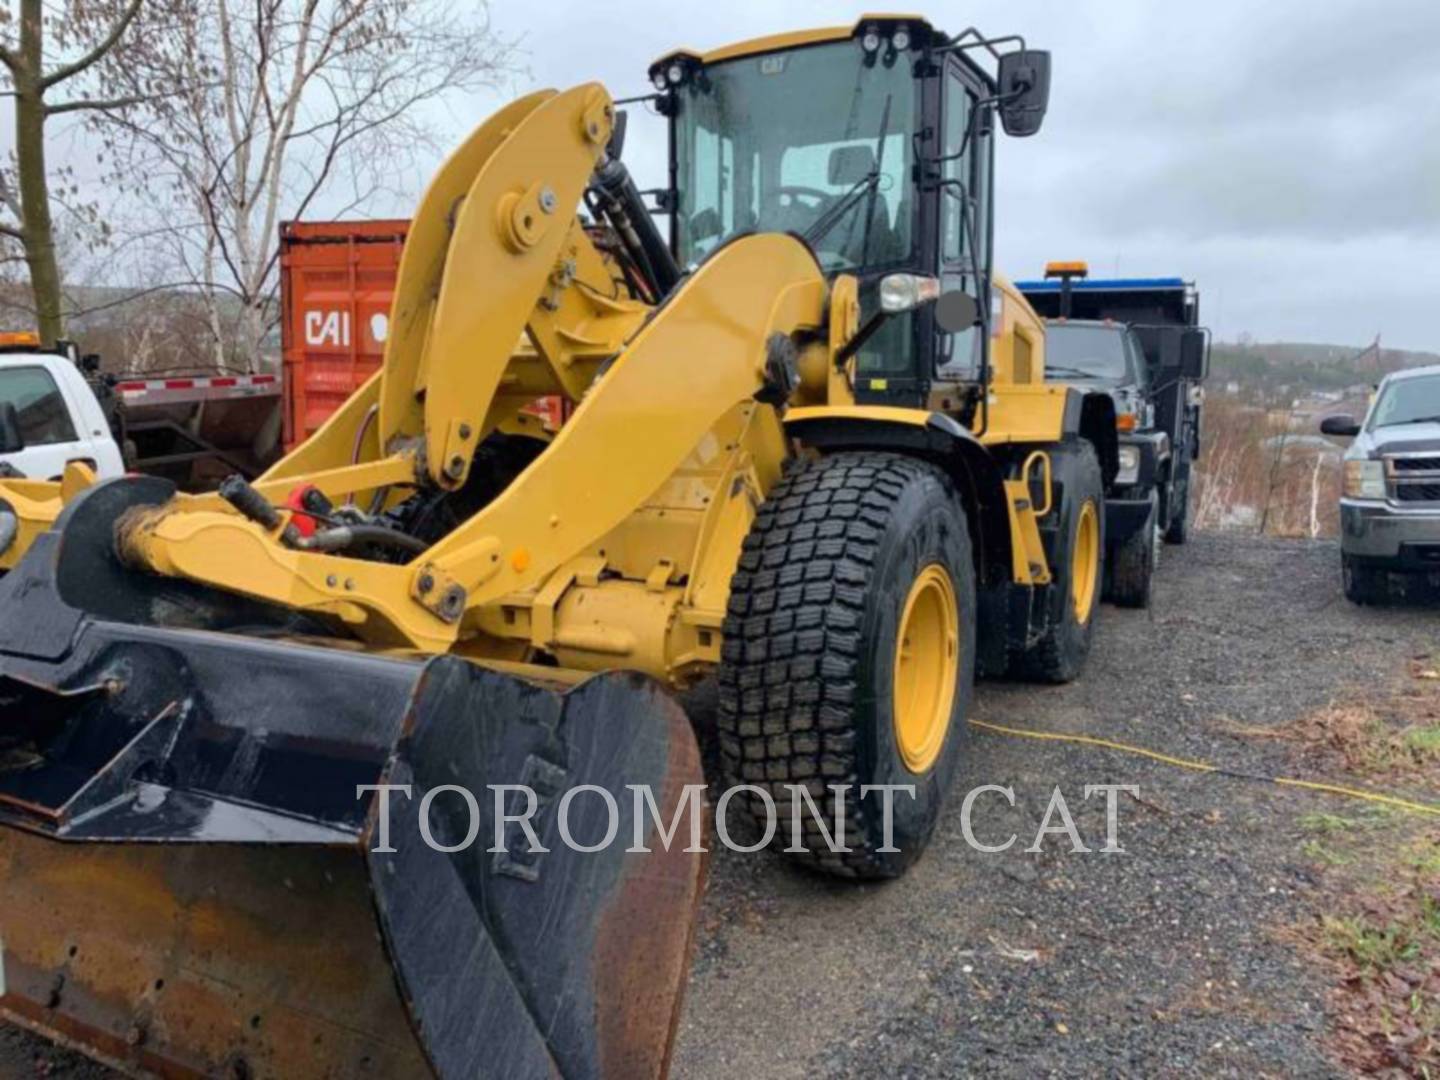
1206	767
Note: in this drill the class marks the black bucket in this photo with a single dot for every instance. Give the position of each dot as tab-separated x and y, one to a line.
189	880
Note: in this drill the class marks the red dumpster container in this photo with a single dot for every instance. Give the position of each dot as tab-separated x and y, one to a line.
336	281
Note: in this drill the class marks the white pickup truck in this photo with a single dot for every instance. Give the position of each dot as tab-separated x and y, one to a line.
191	429
49	416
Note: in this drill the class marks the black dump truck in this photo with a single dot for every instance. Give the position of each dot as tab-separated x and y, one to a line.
1140	339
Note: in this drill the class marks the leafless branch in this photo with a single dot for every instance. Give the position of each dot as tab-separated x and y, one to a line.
89	59
99	105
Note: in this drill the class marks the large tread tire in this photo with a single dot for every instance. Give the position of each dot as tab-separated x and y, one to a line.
1132	566
1060	654
806	681
1366	586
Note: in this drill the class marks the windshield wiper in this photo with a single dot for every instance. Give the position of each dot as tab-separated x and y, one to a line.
875	187
866	185
836	213
1072	372
1412	420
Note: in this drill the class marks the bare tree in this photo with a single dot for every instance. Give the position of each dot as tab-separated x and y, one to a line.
82	33
290	104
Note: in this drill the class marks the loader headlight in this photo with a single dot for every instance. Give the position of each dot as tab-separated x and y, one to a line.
906	292
900	39
1364	480
659	81
1129	465
675	74
871	41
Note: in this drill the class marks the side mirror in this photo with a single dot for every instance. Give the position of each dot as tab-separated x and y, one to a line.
11	440
956	311
1343	426
1024	88
1194	355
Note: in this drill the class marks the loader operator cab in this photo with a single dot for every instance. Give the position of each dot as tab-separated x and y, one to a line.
876	145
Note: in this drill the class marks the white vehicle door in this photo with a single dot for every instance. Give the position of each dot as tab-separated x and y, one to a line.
46	421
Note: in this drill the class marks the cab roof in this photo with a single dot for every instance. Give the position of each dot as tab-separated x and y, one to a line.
795	39
1413	373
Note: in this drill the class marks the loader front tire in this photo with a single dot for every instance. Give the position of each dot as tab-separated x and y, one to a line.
849	657
1076	574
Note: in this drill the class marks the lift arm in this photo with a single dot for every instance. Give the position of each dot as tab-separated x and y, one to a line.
511	265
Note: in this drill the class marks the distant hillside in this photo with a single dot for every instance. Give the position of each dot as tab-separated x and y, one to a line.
1287	370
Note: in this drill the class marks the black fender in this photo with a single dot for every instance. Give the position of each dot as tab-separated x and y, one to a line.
1091	415
939	439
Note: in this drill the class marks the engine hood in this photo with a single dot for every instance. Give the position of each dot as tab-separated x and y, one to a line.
1400	439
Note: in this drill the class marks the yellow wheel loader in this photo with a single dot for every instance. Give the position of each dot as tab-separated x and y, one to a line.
812	454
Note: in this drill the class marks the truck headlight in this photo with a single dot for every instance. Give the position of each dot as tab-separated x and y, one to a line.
1129	465
1364	480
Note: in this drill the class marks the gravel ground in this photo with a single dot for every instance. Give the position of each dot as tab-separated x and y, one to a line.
1166	960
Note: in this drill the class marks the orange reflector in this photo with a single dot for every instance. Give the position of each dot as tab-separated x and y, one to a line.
1077	268
1125	422
26	338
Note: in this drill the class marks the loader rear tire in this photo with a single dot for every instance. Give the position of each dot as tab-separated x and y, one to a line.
849	656
1078	571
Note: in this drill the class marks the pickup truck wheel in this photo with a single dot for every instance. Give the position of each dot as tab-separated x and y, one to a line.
1364	585
1133	562
849	656
1077	574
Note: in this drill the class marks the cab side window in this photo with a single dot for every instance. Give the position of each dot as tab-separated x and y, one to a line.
1138	369
40	408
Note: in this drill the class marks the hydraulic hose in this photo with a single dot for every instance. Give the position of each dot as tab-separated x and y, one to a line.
626	210
345	536
238	493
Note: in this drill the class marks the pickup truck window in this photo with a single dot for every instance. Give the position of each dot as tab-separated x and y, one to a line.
44	419
1408	401
1096	352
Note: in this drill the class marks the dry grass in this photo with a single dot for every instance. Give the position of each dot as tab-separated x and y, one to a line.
1394	738
1384	948
1378	933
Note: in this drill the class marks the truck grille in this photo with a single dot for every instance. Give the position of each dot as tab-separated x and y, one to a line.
1414	479
1417	493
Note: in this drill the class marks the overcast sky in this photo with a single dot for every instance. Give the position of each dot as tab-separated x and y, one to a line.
1285	155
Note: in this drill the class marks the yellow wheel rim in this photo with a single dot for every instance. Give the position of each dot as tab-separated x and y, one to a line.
927	664
1085	564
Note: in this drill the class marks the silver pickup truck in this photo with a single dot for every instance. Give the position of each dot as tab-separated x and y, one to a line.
1390	511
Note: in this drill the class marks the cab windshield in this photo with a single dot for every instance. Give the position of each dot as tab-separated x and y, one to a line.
776	142
1085	352
1408	401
